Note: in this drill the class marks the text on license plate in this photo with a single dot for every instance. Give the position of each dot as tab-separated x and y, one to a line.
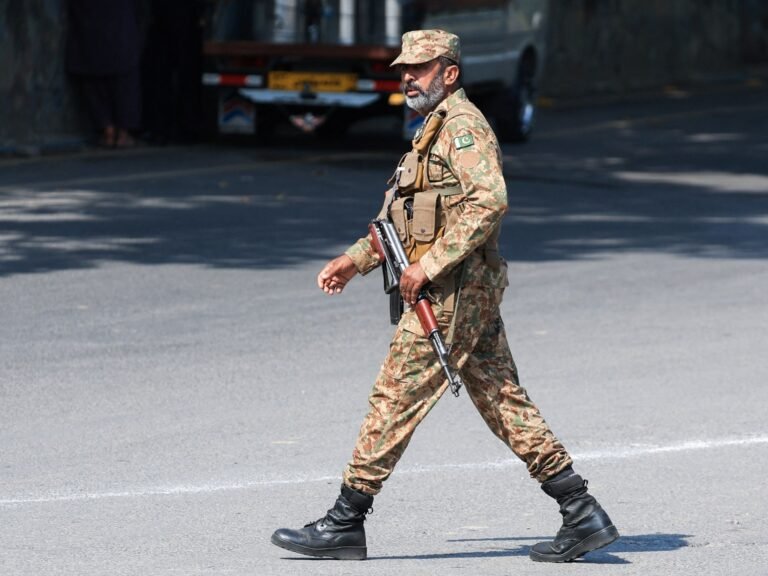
314	81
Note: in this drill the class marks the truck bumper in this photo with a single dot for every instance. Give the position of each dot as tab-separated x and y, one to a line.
320	99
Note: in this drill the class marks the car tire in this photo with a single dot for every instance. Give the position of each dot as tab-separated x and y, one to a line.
515	110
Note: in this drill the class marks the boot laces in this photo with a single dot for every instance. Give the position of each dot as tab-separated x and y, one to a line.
319	521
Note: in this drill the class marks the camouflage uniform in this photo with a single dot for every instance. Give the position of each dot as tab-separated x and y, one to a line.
465	153
448	211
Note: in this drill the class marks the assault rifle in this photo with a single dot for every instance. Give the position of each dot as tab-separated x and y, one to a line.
392	253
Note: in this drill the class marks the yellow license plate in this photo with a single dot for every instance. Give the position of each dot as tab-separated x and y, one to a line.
313	81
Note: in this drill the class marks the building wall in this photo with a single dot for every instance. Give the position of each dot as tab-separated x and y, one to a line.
619	46
38	104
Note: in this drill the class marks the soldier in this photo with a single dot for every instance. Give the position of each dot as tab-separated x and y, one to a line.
447	203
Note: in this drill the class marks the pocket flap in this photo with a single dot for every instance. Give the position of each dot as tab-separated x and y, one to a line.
408	170
425	216
399	218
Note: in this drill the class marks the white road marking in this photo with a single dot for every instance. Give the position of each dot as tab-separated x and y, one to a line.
632	451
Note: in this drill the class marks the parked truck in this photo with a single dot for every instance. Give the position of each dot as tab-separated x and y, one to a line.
324	64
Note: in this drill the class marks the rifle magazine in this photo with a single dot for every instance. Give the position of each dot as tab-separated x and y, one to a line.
396	307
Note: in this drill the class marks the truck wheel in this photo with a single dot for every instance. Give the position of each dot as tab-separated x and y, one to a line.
335	128
266	124
516	109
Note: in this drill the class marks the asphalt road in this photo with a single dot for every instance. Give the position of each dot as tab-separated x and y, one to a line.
174	387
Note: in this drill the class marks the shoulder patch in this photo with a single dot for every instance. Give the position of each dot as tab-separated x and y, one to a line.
469	159
463	141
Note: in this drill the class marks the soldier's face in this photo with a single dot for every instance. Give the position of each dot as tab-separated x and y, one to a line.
416	78
423	85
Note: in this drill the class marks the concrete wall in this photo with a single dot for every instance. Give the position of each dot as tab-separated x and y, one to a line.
37	104
619	46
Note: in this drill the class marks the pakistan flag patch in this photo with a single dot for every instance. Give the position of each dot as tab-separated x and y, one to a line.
463	141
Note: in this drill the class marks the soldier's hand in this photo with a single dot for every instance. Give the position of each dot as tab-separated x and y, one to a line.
335	275
411	282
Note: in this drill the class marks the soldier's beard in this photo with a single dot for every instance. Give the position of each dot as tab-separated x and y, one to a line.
427	100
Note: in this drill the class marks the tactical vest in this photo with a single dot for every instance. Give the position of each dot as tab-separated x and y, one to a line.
421	212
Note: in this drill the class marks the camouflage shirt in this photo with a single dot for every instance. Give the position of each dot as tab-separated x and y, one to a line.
465	153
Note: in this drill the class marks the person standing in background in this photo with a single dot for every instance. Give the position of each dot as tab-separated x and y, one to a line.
171	71
103	53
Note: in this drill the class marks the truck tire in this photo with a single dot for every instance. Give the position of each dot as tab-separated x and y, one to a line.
335	128
266	124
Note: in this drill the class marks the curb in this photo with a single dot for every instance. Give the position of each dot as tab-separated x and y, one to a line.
49	147
753	78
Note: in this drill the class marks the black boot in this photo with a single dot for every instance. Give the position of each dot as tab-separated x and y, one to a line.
586	526
339	534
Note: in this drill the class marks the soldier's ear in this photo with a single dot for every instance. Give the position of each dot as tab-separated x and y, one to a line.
451	74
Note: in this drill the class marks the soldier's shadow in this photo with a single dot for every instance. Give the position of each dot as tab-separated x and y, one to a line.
494	548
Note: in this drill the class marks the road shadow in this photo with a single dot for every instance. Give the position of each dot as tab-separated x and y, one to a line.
498	548
608	555
697	188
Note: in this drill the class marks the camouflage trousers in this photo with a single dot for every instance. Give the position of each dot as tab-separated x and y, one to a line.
411	382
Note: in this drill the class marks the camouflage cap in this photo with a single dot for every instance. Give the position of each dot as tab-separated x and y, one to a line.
421	46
